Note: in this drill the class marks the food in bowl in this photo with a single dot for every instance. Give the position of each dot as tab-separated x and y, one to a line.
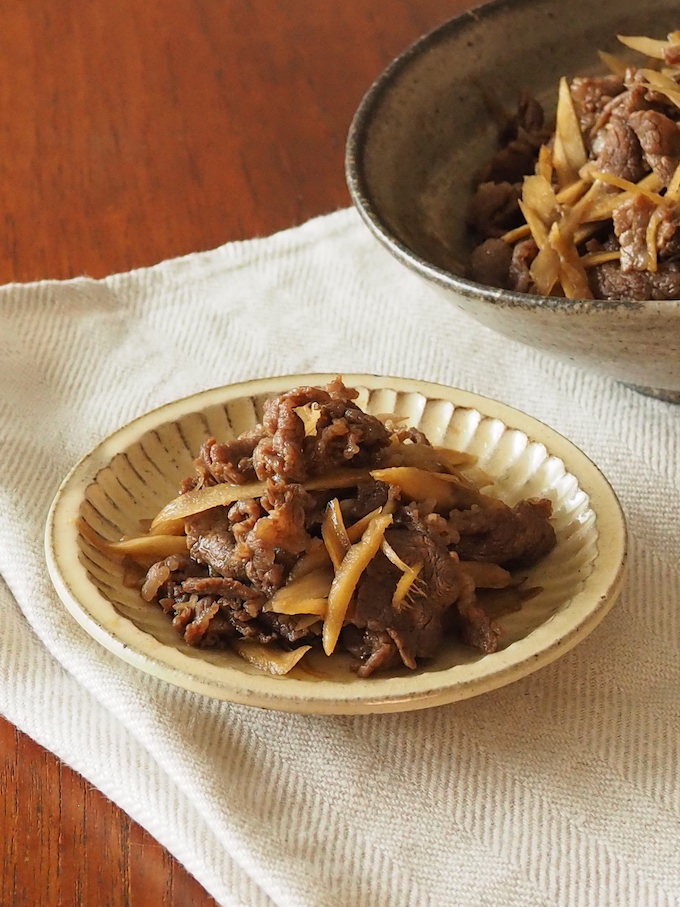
589	208
325	526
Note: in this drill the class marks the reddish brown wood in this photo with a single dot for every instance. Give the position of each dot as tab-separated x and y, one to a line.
129	133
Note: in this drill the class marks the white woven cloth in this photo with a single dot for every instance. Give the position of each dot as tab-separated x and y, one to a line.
562	789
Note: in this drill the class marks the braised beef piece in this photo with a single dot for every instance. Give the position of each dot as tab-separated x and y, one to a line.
653	100
416	625
523	255
528	119
231	462
369	496
608	281
344	436
402	433
375	650
493	209
174	569
519	140
223	587
631	220
668	233
212	622
671	55
471	622
286	627
275	541
621	153
490	263
280	448
279	454
591	95
206	610
512	537
209	610
255	542
659	137
210	540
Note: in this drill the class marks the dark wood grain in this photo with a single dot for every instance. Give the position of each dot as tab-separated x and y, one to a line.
129	133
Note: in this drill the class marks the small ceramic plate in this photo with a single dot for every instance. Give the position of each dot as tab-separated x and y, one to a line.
137	470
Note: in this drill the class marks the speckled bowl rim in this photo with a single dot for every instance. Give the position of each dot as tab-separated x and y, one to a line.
361	196
543	645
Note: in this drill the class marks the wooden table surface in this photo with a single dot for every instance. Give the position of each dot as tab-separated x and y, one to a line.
131	132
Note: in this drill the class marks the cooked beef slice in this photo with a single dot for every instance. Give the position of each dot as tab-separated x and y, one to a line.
279	448
493	209
608	281
668	233
415	625
529	119
344	436
523	256
369	496
490	263
172	570
211	541
621	153
659	137
471	622
231	462
255	542
631	220
286	627
519	140
591	95
512	537
375	650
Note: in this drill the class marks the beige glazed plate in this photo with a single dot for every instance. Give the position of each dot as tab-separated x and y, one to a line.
131	475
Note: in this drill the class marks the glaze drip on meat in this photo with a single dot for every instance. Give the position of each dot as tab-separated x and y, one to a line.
241	557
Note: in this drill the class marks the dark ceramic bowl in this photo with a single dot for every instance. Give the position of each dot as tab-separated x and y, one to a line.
423	129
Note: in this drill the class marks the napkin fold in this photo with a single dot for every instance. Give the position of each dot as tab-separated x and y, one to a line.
560	789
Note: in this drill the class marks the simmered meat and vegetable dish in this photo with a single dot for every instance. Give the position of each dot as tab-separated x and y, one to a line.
328	527
589	208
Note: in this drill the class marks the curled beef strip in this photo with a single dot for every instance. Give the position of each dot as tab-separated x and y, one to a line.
279	448
591	95
370	496
209	610
344	435
231	462
253	541
668	233
210	540
375	650
631	220
517	537
608	281
490	263
659	137
519	140
415	626
621	153
522	258
494	209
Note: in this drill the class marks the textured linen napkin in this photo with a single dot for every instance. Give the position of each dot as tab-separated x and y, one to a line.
562	788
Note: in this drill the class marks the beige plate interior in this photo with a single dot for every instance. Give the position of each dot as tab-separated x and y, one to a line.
137	470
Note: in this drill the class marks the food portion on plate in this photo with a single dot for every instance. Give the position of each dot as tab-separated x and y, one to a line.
589	207
326	527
